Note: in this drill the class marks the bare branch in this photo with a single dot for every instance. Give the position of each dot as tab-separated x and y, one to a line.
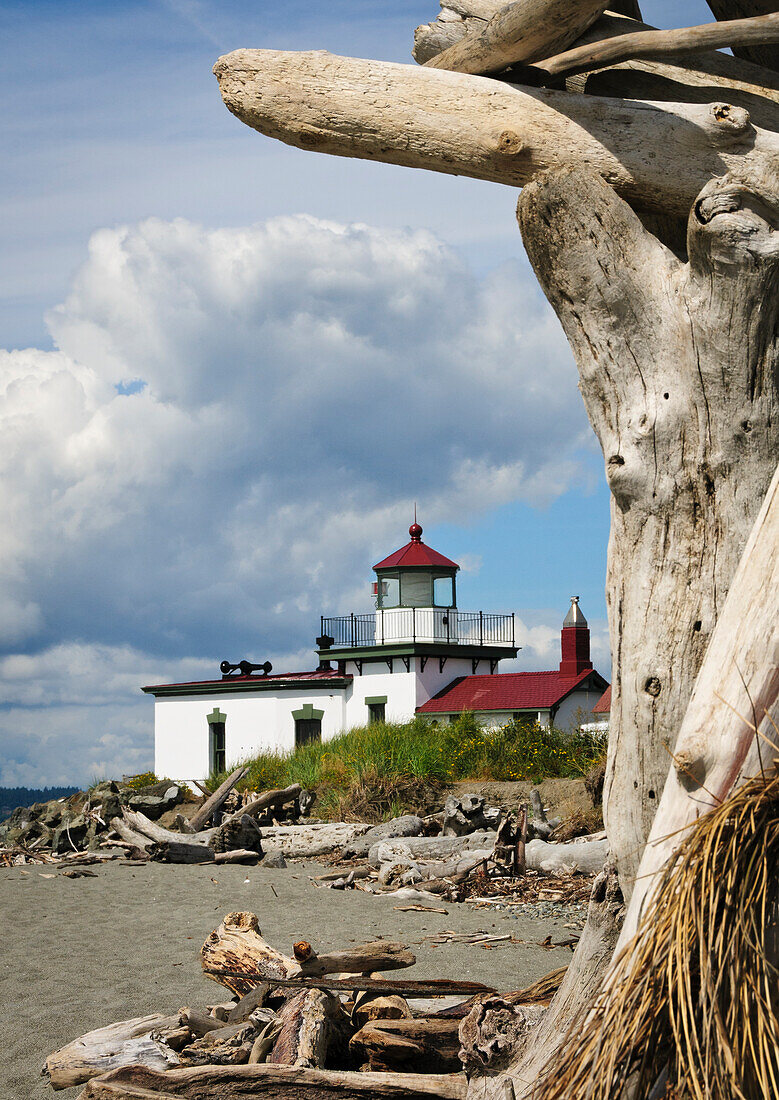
659	44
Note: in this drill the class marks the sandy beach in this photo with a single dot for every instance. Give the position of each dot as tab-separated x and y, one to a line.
82	953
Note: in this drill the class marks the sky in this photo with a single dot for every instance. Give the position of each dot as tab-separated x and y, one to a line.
229	369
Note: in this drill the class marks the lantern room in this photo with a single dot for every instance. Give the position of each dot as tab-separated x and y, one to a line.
415	576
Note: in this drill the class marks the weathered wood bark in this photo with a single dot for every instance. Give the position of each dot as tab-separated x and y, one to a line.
237	855
678	370
365	959
212	804
237	946
107	1048
240	831
303	841
278	1082
428	1045
140	823
738	685
179	851
658	156
523	31
310	1021
276	797
502	1037
138	840
660	44
252	1000
431	847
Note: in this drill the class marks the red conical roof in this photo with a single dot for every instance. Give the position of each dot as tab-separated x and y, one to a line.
416	553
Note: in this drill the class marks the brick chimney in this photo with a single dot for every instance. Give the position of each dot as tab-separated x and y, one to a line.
574	642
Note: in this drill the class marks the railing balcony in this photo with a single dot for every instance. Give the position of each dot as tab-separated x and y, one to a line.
420	624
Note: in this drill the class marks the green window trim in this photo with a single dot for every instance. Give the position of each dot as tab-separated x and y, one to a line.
307	711
216	716
373	700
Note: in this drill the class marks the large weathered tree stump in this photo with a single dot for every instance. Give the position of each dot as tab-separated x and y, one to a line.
678	371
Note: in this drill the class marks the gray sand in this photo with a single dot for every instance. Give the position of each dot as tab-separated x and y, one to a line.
82	953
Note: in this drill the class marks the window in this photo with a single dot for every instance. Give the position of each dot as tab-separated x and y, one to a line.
307	729
443	591
377	708
376	712
308	724
389	588
217	754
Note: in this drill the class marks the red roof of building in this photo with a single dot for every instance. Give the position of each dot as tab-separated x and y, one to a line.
416	553
504	691
603	706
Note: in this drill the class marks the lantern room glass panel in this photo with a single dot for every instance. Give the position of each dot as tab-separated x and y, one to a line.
415	590
389	592
443	591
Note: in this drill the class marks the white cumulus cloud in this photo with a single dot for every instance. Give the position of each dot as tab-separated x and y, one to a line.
231	427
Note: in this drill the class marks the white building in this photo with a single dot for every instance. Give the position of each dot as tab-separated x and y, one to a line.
382	665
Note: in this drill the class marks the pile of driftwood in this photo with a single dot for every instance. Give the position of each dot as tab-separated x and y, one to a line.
226	827
297	1025
475	844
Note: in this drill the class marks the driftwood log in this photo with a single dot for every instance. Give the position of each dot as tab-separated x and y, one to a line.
238	855
128	835
311	1021
212	804
179	851
237	947
303	841
423	1045
735	9
278	1082
658	156
268	799
523	31
123	1043
689	434
139	823
365	959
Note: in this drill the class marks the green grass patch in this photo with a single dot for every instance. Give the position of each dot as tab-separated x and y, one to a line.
377	771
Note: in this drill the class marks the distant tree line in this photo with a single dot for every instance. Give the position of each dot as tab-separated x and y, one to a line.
11	797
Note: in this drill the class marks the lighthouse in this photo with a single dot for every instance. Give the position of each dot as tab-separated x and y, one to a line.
373	666
415	653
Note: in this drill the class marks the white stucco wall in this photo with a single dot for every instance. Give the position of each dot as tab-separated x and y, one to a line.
256	722
576	709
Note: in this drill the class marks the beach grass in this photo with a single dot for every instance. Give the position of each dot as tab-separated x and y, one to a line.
385	768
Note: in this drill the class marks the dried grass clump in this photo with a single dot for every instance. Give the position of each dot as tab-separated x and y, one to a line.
693	1007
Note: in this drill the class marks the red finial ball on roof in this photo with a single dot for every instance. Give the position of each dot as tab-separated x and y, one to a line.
416	532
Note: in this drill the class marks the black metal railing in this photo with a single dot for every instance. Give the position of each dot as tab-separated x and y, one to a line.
427	624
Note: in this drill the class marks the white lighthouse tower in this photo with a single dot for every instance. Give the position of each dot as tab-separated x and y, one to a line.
417	641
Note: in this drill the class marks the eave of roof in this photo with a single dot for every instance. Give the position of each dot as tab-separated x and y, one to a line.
231	685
